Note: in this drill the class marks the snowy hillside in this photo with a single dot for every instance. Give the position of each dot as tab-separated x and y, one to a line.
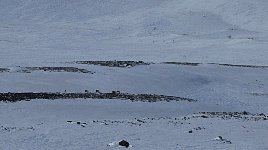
161	74
195	30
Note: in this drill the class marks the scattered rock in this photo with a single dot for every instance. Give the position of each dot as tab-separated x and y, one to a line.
199	128
203	116
245	113
78	123
228	142
121	143
11	129
219	138
141	121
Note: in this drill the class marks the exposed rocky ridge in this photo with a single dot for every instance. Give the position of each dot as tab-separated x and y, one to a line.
4	69
114	63
55	69
182	63
232	115
13	97
244	66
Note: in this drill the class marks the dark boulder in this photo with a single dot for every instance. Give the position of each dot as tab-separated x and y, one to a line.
124	143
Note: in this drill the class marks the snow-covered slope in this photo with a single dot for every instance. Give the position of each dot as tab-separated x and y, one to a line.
69	9
251	15
215	53
155	30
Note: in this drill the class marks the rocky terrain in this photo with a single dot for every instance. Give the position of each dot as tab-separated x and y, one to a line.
114	63
4	70
128	74
246	66
182	63
14	97
53	69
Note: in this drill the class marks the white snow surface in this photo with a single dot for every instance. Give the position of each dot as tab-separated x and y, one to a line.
35	33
